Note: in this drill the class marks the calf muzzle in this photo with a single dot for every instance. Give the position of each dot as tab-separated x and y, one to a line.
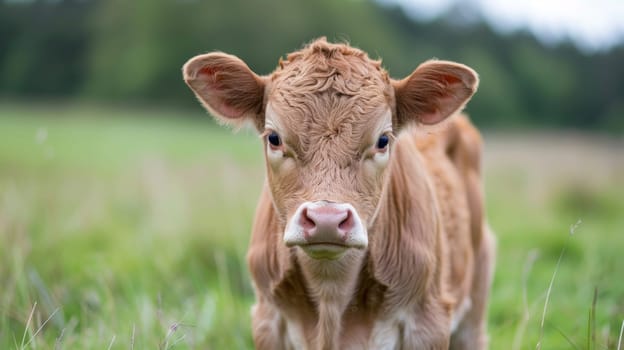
324	230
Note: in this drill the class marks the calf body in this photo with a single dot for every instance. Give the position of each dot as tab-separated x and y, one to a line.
370	232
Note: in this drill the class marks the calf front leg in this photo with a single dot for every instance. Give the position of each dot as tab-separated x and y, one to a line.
423	327
429	329
268	328
471	332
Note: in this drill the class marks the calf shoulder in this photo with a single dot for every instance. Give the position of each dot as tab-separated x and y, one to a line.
453	159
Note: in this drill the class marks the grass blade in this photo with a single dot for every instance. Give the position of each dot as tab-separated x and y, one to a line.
572	344
550	285
591	327
112	342
42	325
132	337
57	343
32	312
573	229
620	338
521	329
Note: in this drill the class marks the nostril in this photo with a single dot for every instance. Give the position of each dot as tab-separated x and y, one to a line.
347	224
305	221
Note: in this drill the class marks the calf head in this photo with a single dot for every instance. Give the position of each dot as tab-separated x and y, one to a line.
327	116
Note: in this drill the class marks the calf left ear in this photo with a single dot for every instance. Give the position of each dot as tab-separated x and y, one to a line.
434	91
226	86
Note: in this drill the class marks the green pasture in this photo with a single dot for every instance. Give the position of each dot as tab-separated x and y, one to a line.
127	228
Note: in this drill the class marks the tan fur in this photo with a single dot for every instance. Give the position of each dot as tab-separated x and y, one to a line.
429	259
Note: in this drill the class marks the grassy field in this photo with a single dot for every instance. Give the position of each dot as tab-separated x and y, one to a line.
127	229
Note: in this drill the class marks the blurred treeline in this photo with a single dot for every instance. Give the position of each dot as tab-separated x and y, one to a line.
131	51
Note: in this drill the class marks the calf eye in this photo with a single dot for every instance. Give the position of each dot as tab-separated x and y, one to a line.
274	139
382	142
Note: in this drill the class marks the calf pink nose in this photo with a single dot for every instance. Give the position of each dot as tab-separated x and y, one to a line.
326	224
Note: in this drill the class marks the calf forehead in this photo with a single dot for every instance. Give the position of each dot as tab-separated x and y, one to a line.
329	98
329	70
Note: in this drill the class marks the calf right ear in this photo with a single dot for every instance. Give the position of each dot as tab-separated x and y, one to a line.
434	91
226	86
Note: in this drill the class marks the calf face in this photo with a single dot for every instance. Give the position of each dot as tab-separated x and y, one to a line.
327	115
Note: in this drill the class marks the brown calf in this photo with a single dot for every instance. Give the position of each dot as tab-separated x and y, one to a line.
370	232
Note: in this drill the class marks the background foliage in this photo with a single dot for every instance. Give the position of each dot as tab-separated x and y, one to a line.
118	51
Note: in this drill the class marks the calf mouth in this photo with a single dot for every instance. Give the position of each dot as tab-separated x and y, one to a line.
325	250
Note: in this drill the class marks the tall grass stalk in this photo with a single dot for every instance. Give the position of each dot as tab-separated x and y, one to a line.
620	338
32	336
132	337
110	345
526	315
591	326
552	282
27	327
59	340
565	336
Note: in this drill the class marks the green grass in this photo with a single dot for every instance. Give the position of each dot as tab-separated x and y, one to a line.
127	229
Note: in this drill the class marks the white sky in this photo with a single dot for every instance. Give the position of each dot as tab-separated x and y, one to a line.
592	24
